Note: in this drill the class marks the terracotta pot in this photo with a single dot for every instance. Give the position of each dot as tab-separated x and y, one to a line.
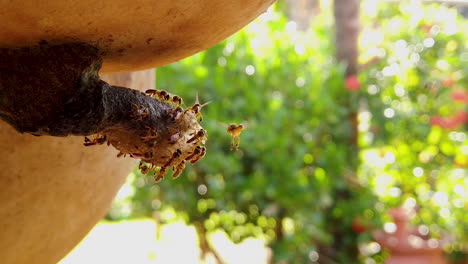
406	245
54	190
136	34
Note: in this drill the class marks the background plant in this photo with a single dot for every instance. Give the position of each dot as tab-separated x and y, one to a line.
293	182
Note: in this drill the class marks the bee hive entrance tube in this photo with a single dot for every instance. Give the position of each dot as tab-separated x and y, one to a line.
69	99
53	190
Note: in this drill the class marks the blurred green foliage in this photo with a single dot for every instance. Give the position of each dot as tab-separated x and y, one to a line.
297	180
415	117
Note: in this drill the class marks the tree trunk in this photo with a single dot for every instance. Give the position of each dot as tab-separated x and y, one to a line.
347	26
346	13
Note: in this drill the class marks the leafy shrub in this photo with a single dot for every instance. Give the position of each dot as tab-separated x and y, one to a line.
297	180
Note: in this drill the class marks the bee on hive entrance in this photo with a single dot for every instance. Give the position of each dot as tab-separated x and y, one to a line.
140	112
201	133
177	100
196	108
99	140
177	113
178	169
200	155
159	94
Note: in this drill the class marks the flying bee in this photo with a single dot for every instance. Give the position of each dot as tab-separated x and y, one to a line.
199	134
235	131
178	169
99	140
201	155
196	108
160	94
140	112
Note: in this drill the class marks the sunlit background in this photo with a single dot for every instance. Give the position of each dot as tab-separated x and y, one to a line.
299	189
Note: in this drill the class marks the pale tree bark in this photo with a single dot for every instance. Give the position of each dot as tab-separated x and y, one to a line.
347	32
302	12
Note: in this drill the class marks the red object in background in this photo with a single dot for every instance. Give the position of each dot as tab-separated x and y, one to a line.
460	95
436	120
461	117
358	227
427	27
450	122
352	83
449	82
